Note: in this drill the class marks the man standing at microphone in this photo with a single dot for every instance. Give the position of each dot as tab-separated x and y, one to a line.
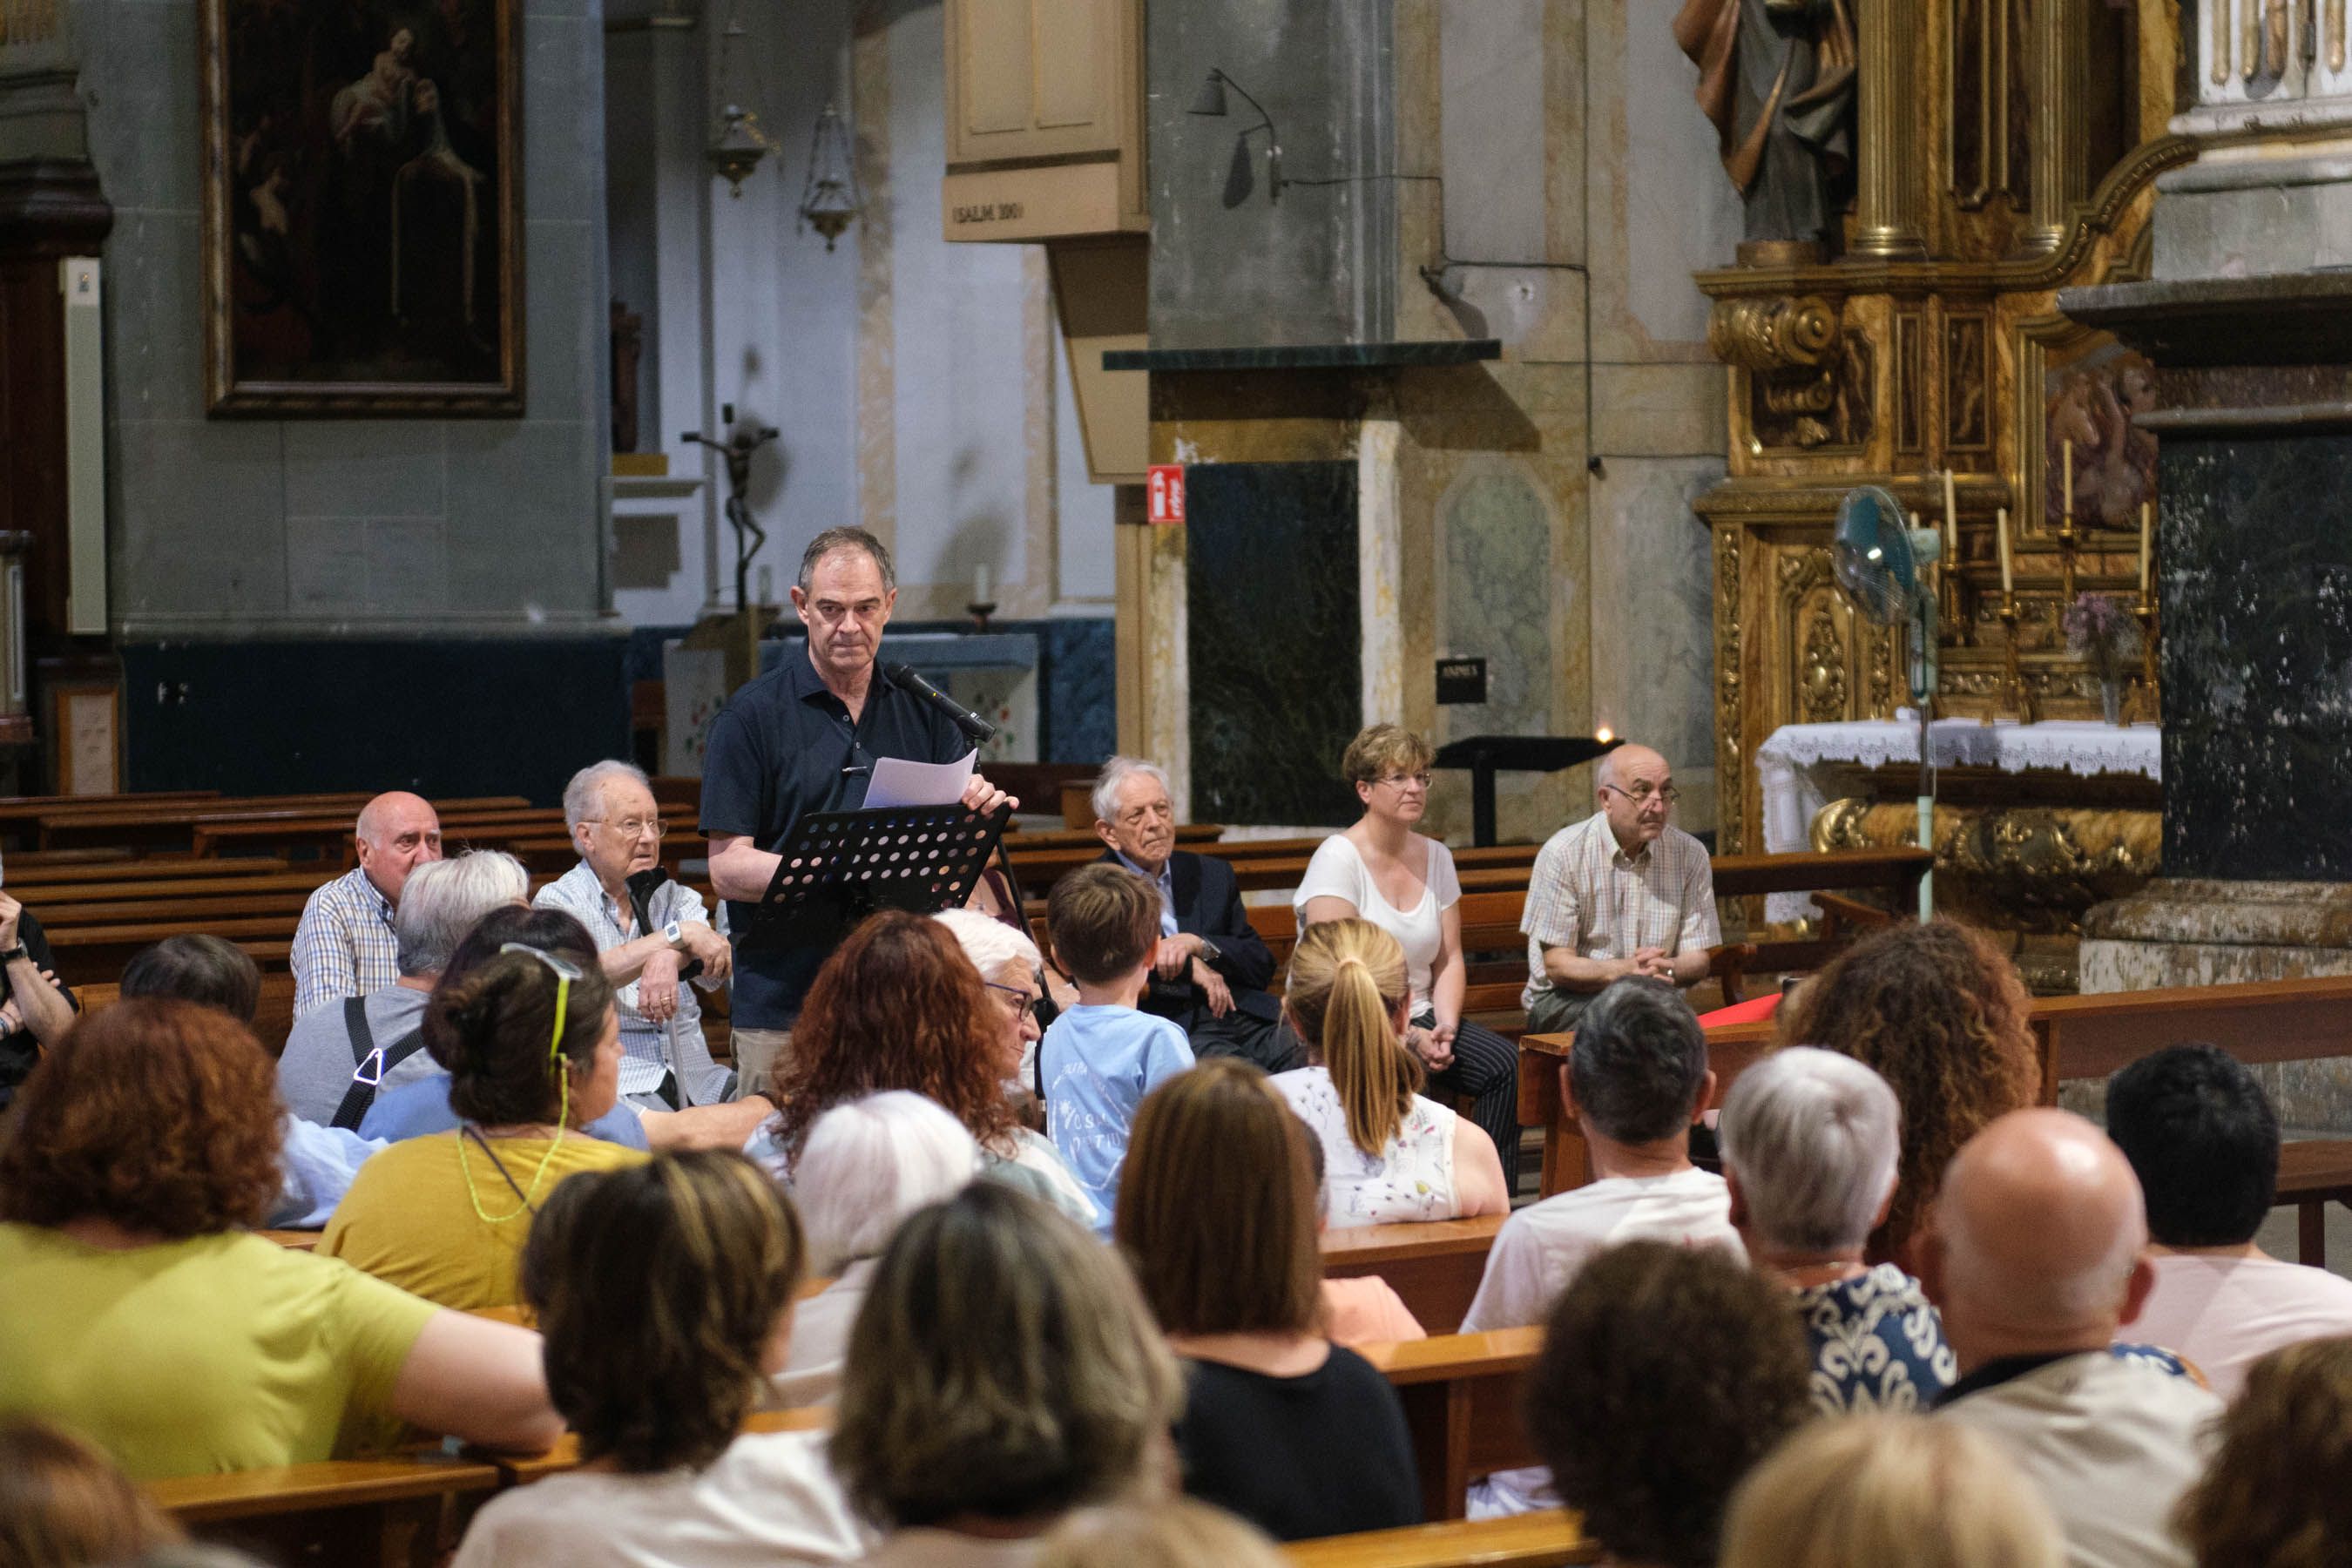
804	738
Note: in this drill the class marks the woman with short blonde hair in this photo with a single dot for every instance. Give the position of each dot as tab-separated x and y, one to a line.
1389	1154
1381	870
1884	1489
1216	1211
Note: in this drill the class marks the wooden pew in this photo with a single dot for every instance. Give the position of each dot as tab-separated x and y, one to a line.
1461	1395
327	835
1547	1539
273	1017
1434	1265
45	874
400	1511
521	1469
176	824
93	955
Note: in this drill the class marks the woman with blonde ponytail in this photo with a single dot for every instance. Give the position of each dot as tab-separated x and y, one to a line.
1389	1154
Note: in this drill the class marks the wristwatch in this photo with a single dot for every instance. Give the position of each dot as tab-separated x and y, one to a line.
10	955
1209	950
674	934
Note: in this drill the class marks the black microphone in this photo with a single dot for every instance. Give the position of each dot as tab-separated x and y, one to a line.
976	728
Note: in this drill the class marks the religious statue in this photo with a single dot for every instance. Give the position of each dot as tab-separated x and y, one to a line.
1777	79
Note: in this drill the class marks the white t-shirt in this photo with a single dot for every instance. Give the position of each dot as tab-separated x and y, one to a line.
2226	1313
1540	1248
1338	871
770	1498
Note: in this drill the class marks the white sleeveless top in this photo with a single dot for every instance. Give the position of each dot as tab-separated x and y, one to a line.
1411	1179
1337	869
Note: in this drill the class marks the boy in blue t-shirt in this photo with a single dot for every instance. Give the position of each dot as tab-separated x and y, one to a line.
1102	1056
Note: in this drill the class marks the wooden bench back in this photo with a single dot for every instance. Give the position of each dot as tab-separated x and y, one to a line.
1461	1395
273	1019
1547	1538
1434	1265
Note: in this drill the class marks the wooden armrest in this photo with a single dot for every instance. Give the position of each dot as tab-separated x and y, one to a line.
1729	965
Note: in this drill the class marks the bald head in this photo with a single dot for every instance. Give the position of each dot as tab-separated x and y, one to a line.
396	833
1635	788
2037	1241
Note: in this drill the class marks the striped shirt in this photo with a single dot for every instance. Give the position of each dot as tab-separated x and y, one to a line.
1587	894
645	1045
345	945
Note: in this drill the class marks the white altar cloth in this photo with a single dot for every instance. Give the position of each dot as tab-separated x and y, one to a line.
1798	765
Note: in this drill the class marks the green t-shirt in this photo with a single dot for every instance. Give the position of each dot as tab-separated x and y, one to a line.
220	1352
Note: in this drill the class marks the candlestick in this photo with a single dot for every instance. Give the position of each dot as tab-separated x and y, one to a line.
2146	544
2001	534
2013	699
2145	614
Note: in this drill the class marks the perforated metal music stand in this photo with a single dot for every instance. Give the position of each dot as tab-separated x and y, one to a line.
838	867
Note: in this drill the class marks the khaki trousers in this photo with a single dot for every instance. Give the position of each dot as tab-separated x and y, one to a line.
758	1054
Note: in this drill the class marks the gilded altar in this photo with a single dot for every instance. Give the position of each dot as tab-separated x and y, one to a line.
2002	151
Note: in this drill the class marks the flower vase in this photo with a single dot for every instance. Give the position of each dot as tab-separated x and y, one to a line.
2111	700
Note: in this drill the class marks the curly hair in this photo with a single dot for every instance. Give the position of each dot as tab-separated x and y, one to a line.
493	1027
2279	1490
657	1288
62	1501
1666	1373
156	1114
897	1005
1940	1014
1002	1365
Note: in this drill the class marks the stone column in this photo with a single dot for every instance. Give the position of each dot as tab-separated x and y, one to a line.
1886	144
2061	127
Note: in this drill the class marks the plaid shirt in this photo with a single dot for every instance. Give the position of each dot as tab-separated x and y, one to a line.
644	1044
345	945
1586	894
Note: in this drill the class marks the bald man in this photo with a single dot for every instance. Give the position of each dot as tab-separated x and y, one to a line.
345	946
2037	1258
1622	893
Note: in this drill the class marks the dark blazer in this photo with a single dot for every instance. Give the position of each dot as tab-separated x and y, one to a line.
1209	903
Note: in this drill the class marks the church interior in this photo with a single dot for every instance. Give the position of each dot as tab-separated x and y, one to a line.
1809	517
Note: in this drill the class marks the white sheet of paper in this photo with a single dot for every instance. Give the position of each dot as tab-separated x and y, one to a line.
897	782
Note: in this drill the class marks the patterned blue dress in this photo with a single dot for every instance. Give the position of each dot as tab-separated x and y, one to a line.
1877	1343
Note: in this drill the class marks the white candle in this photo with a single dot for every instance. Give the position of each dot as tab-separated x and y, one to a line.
1951	524
979	584
2066	485
2146	544
2000	533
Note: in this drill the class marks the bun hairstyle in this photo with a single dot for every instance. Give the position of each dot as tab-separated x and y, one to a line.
1347	981
491	1027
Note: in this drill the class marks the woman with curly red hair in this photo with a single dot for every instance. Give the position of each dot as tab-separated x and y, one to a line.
143	1315
898	1005
1939	1012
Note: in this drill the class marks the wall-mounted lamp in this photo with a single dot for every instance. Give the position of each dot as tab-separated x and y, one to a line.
1239	180
830	199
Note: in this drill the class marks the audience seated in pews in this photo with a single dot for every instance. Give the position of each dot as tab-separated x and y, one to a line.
345	945
1635	1080
1008	962
665	1294
1104	1055
1003	1371
338	1060
1213	969
1667	1374
868	1164
1173	1532
2202	1138
417	1108
1389	1153
1383	871
1874	1491
2278	1493
141	1312
534	1052
1940	1014
63	1504
39	1010
1216	1213
643	940
316	1163
2036	1260
1810	1141
897	1005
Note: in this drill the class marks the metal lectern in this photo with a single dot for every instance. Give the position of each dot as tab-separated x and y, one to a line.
1487	755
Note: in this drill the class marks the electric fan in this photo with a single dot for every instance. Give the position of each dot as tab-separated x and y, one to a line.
1882	564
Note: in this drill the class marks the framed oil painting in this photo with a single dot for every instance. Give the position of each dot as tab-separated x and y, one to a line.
362	202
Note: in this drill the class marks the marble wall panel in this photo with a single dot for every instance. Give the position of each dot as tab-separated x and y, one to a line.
1652	617
2256	595
1274	610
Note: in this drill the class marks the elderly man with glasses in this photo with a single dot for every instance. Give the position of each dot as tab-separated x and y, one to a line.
645	937
1622	893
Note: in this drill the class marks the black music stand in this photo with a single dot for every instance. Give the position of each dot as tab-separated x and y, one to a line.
1487	755
839	867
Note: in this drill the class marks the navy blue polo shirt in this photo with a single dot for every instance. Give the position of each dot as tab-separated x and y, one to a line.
781	747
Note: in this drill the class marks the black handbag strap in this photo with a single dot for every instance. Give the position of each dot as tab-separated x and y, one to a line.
370	1063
